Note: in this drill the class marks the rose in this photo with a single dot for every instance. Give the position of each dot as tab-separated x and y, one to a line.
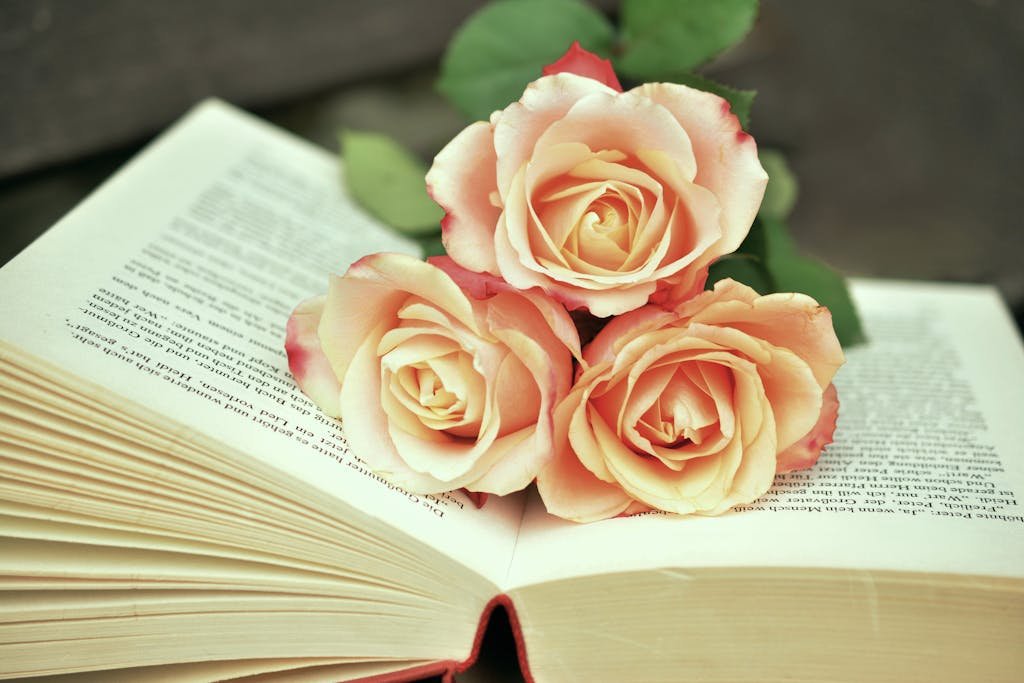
694	410
602	198
444	378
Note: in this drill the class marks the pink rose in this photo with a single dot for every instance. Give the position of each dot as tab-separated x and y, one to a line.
444	378
694	410
604	199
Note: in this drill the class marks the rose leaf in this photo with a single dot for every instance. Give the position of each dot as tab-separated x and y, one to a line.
792	272
740	101
432	246
781	193
504	46
754	243
744	268
387	180
665	37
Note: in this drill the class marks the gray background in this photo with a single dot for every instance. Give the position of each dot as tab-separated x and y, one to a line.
901	118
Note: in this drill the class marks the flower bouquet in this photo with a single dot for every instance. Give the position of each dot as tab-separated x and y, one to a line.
588	328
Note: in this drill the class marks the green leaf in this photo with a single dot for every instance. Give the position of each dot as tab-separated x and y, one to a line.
505	45
743	268
740	101
781	193
432	246
754	243
387	180
666	37
792	272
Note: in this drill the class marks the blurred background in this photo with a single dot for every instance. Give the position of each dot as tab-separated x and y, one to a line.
901	119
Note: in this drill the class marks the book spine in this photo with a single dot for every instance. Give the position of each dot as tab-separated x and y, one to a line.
449	669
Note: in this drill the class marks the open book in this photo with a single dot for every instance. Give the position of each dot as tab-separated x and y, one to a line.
173	507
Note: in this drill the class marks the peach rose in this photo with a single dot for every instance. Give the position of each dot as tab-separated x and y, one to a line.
694	410
444	378
604	199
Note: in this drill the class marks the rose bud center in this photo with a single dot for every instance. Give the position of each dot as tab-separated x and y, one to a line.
593	219
671	412
428	381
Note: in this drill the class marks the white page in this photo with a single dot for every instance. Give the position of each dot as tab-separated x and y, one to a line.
172	284
926	474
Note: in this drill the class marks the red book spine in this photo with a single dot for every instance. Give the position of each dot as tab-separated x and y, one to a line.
449	669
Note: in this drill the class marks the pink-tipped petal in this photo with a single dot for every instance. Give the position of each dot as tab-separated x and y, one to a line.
805	452
475	497
792	321
306	358
462	180
581	62
545	101
727	162
485	286
629	123
479	285
403	273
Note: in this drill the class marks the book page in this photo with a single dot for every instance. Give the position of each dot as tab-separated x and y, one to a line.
172	285
926	472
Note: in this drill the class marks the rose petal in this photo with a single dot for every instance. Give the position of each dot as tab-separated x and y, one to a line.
645	394
517	128
582	62
366	425
682	286
483	286
694	225
567	488
521	224
405	414
461	180
648	241
458	462
805	452
306	358
517	398
623	328
726	157
526	451
373	290
477	285
478	499
789	385
792	321
408	345
601	304
629	122
755	472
